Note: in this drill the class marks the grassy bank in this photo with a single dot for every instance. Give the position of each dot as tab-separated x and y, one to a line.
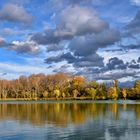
45	99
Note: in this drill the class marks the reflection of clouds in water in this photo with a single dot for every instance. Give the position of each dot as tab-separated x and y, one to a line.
93	129
69	121
14	130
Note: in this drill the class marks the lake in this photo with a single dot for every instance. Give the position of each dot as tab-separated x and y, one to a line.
69	120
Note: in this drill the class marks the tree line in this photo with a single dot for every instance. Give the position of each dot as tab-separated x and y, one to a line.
64	86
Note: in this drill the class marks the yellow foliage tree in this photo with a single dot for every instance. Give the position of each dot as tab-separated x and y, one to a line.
124	93
112	93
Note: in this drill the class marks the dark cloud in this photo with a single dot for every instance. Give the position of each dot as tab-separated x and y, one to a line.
131	46
134	66
114	50
138	60
134	26
116	63
15	13
62	57
54	47
93	67
50	37
117	69
90	61
93	60
87	45
53	59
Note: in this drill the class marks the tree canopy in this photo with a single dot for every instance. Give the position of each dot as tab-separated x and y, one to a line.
64	86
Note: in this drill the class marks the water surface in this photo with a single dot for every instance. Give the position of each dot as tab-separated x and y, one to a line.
82	120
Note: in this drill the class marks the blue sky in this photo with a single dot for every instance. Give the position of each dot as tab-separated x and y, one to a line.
99	39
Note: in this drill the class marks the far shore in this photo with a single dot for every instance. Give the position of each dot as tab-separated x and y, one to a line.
45	99
58	99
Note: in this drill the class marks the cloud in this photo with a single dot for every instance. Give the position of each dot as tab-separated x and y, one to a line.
70	23
54	47
57	5
2	42
25	47
131	46
90	61
134	65
15	13
117	75
114	50
75	37
84	31
7	31
87	45
105	74
134	26
138	60
93	60
115	68
29	47
50	36
116	63
135	2
66	68
62	57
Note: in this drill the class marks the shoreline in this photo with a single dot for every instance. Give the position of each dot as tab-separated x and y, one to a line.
68	101
47	99
64	99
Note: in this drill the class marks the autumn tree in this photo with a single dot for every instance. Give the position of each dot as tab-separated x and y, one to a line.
124	93
112	93
78	83
91	92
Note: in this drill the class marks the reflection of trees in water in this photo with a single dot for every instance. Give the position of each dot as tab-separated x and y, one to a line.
62	114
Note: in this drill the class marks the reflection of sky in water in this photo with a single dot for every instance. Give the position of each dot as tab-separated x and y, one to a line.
115	122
